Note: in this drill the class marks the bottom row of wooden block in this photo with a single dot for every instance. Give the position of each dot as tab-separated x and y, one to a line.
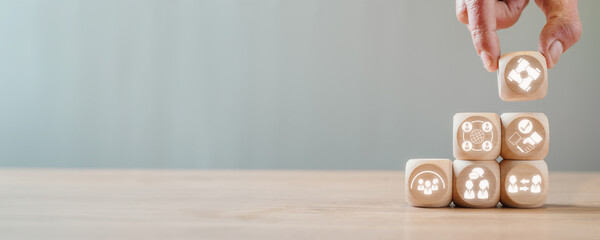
478	184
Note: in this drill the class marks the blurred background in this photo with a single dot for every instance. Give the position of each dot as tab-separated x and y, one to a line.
269	84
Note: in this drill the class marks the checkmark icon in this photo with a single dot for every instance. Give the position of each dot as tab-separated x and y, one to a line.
528	124
525	126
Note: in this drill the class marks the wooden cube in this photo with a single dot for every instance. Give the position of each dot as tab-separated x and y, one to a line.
476	136
524	184
525	136
428	182
476	183
522	76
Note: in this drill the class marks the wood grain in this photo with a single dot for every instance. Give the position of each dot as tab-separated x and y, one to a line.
155	204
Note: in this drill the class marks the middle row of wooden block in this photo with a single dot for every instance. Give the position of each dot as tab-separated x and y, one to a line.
514	136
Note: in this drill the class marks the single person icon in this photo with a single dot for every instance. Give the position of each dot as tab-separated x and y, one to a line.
467	127
427	190
486	127
535	187
484	185
467	146
487	146
434	186
469	193
420	187
512	187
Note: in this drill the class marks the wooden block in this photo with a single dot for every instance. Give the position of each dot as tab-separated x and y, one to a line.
476	183
476	136
524	184
525	136
522	76
428	182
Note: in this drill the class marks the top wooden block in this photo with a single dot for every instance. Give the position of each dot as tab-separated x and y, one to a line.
522	76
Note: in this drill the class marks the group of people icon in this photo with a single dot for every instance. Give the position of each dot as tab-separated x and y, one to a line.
484	185
428	186
535	186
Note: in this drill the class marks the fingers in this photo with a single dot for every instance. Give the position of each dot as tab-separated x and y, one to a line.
461	12
484	17
508	12
482	24
562	29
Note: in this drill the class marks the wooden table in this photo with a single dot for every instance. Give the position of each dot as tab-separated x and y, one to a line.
157	204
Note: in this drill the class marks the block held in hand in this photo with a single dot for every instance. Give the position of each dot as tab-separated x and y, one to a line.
522	76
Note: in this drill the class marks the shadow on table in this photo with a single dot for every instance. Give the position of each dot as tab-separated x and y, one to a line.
548	208
571	208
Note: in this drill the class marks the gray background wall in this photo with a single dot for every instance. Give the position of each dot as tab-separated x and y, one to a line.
311	84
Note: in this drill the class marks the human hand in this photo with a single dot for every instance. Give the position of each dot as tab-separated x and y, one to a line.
484	17
526	146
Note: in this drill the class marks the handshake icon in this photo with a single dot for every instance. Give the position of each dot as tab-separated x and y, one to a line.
525	145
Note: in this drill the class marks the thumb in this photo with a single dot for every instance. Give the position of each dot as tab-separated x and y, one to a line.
562	30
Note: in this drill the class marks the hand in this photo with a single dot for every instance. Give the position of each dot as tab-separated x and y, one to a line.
529	141
526	145
484	17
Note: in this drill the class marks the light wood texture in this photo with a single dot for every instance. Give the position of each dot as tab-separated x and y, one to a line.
524	190
428	182
522	88
525	136
151	204
483	179
476	136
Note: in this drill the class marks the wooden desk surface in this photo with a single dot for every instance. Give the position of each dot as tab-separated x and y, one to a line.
156	204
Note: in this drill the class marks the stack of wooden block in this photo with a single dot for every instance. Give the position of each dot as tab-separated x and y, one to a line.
475	178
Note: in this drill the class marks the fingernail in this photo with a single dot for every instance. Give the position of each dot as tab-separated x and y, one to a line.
487	60
556	49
